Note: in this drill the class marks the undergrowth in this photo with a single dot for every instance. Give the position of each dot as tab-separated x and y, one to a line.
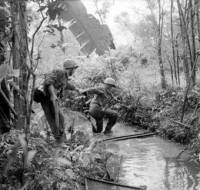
53	166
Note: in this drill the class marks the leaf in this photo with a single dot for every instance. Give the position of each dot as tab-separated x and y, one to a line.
42	8
53	10
64	45
63	162
57	27
22	141
30	156
12	155
4	70
88	31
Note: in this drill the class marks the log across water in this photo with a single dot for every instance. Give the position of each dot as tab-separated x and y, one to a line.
149	161
132	136
152	162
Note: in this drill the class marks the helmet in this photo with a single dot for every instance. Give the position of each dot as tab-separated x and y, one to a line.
110	81
69	64
4	16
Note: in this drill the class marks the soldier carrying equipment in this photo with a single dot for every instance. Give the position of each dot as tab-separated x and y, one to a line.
99	105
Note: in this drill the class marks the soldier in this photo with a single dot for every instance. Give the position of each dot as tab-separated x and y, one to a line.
69	66
100	103
55	82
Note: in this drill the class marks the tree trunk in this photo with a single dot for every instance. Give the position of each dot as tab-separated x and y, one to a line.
177	59
159	46
62	39
172	43
193	46
184	42
171	71
197	18
162	73
19	51
158	37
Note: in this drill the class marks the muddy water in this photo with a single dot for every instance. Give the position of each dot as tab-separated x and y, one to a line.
152	162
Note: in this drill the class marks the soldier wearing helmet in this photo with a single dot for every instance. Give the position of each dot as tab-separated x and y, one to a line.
70	64
59	79
4	17
54	83
100	103
69	67
110	82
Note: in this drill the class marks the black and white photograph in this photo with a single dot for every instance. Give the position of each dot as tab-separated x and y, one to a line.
99	94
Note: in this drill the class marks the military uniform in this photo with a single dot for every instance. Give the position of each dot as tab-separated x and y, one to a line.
58	80
99	108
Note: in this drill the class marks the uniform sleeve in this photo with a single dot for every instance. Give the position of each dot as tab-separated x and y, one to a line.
112	96
70	86
49	80
56	78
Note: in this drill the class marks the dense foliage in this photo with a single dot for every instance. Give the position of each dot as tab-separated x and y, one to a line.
37	36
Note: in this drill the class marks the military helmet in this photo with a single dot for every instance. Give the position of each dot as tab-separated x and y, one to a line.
69	64
110	81
4	16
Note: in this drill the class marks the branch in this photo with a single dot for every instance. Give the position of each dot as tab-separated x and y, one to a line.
16	89
31	100
38	55
185	30
33	37
40	10
180	123
188	88
180	153
8	103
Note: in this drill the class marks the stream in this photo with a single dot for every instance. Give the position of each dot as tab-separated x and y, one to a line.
152	162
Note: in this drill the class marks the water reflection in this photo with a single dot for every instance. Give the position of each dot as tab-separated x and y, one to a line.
151	161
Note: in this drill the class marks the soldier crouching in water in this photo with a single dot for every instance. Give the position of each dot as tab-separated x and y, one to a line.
55	82
99	105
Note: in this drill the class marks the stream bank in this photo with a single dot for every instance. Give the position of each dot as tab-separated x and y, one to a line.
53	166
163	116
131	162
150	161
